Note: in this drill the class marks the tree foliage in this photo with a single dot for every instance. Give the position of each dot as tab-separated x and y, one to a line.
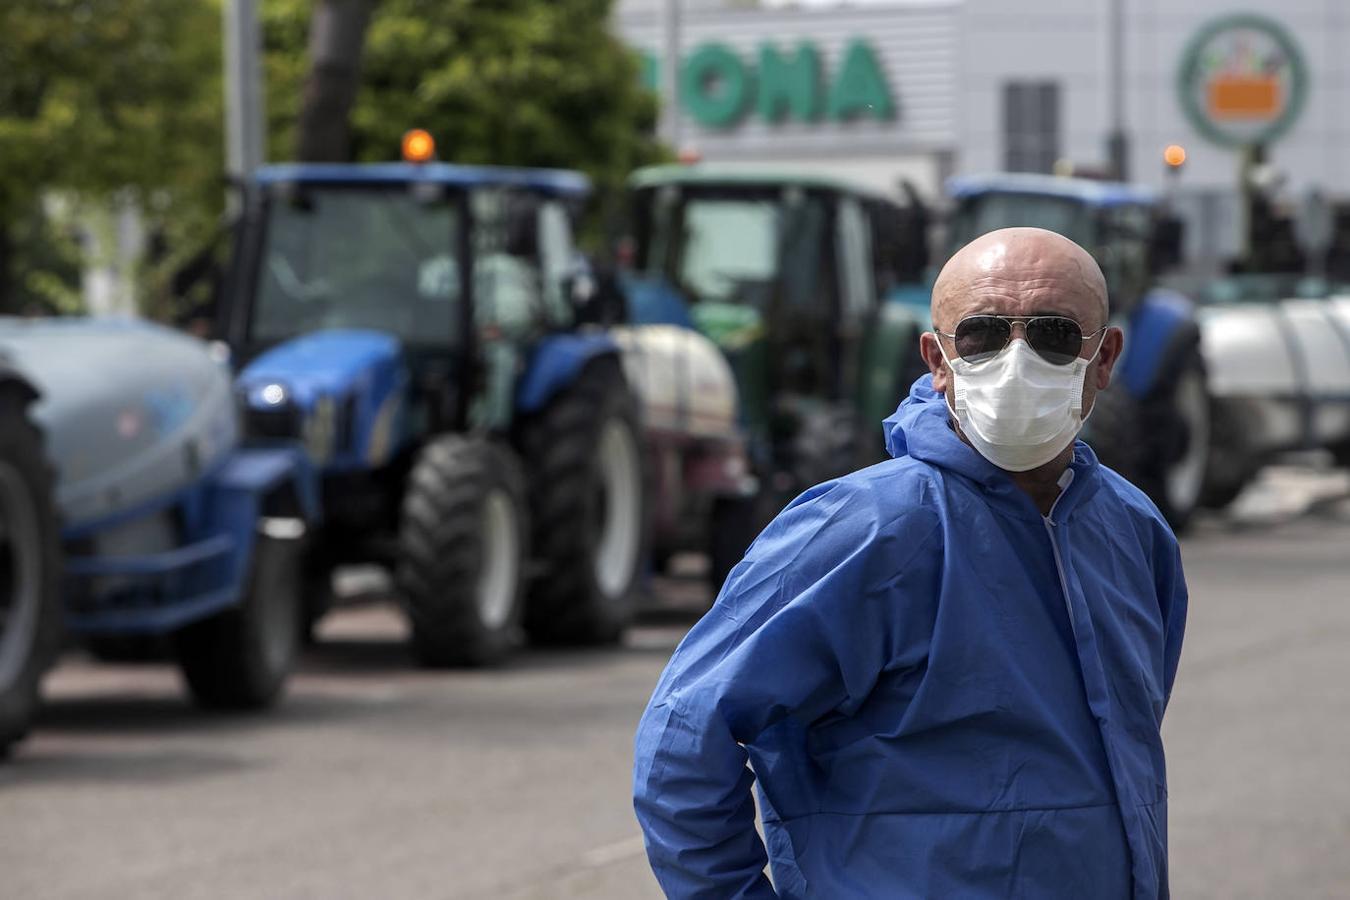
104	97
124	98
502	82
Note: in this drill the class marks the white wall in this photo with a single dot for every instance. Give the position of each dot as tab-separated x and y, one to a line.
1067	41
916	44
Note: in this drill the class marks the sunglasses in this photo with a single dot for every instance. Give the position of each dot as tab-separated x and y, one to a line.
1056	339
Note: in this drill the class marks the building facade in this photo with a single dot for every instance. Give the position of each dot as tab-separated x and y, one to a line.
923	89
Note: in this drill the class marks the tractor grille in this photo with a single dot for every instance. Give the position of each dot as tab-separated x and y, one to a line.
279	422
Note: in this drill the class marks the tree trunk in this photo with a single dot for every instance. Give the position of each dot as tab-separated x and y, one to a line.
337	33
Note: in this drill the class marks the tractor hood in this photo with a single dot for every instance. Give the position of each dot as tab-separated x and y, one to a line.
326	363
340	392
131	411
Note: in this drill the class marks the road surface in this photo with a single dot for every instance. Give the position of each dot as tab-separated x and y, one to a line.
377	779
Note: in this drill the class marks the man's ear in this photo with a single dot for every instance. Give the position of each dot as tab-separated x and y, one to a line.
1113	344
932	354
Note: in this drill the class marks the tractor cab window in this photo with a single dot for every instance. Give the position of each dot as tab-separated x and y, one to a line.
557	255
1123	251
987	212
760	249
357	257
729	251
507	278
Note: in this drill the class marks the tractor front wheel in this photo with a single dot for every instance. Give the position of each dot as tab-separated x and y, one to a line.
463	542
30	612
240	658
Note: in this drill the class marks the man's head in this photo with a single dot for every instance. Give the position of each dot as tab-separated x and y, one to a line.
1023	272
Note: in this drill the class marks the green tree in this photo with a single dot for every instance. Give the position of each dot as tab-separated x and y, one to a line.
505	82
105	97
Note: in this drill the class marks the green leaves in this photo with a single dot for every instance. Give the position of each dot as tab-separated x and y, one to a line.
124	97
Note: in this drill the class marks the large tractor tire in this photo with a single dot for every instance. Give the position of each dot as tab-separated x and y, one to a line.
588	498
241	657
463	544
1233	463
1162	442
30	598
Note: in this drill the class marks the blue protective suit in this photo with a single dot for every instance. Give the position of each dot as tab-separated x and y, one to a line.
942	693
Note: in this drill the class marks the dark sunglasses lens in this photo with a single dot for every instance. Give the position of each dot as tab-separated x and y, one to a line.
1058	340
980	337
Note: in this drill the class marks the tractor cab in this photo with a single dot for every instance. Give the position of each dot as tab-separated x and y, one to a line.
787	273
438	265
1123	226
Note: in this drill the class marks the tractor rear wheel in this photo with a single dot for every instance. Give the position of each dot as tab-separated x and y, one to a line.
463	543
1162	442
30	611
587	493
240	658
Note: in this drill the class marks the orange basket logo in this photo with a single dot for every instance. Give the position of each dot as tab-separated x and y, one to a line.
1244	97
1242	80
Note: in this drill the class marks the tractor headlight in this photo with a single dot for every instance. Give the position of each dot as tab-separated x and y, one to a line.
270	413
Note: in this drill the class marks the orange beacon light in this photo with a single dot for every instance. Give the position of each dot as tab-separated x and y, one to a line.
418	146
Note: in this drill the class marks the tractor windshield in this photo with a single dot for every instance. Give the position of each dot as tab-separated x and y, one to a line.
988	212
756	247
358	257
730	248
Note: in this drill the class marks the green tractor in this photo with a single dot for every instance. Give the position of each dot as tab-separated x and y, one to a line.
790	276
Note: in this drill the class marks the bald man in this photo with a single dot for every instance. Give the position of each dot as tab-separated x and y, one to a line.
947	672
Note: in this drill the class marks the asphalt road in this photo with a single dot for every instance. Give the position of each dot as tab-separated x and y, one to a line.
377	779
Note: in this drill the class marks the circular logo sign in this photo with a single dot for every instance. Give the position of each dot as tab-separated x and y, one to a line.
1242	80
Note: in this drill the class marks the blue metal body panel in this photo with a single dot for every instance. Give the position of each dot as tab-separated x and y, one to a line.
1095	193
557	182
1160	316
156	592
360	373
653	301
555	362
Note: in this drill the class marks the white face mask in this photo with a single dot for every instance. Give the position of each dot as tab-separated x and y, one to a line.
1018	410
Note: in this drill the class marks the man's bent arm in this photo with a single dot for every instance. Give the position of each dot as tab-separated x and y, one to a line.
798	631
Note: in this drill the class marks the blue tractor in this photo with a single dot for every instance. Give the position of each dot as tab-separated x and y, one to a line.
1153	423
128	511
423	331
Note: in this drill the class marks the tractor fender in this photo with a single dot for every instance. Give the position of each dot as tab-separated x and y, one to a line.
555	363
256	489
1161	325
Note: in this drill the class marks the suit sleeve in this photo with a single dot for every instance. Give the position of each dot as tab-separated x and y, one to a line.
799	630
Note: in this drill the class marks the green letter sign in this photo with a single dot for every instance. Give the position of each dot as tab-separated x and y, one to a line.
717	87
714	85
789	85
860	88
